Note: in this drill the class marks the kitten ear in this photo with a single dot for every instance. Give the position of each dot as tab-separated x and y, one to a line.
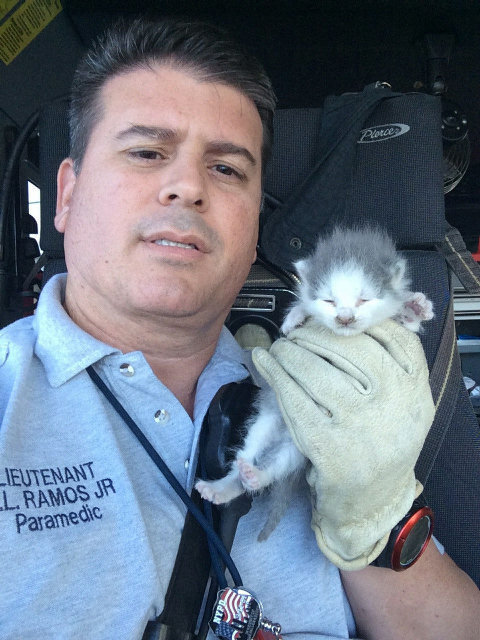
301	268
397	271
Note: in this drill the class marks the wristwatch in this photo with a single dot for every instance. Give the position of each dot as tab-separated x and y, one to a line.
408	539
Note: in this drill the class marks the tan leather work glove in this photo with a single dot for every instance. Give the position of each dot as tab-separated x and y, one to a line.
359	408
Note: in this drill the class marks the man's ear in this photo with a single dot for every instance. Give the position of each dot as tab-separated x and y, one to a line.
66	179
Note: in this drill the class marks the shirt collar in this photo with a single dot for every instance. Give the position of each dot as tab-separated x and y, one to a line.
62	346
65	349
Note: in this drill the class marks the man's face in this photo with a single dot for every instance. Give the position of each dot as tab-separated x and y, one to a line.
162	218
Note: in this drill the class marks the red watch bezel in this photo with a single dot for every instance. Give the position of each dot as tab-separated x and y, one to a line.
402	536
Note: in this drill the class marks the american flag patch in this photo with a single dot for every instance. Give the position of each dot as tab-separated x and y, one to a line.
236	615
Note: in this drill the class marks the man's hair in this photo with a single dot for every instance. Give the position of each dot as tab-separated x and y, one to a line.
202	49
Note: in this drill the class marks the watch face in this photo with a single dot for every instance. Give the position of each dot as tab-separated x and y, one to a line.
415	542
413	538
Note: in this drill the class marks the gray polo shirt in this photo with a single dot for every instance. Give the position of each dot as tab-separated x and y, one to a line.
89	528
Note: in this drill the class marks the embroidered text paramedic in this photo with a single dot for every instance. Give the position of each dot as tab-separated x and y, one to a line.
70	488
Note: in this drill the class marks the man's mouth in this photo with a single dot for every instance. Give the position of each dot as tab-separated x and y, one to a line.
171	243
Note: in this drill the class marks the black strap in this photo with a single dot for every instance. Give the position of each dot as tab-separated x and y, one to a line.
157	631
221	430
187	585
460	260
444	376
323	188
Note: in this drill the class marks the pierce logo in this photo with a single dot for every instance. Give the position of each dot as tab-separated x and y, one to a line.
382	132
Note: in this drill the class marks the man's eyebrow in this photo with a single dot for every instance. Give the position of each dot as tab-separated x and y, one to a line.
163	134
160	134
229	148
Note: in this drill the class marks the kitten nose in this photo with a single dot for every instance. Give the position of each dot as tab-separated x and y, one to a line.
345	317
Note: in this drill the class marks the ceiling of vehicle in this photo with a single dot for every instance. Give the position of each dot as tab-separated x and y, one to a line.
310	48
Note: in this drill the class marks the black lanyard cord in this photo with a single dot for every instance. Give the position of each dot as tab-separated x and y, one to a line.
213	538
208	510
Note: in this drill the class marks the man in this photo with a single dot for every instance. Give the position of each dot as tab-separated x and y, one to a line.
159	204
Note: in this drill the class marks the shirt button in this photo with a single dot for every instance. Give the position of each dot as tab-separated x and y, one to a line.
186	464
162	416
127	369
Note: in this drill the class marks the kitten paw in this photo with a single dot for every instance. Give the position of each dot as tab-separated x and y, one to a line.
250	476
206	490
421	306
216	492
416	309
294	318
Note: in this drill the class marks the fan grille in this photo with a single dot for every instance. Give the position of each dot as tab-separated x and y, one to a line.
456	157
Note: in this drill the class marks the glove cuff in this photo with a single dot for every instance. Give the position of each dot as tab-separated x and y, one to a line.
355	564
363	559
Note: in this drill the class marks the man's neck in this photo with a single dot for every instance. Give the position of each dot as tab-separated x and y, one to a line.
176	351
180	374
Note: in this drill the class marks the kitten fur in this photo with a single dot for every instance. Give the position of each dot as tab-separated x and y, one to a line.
354	279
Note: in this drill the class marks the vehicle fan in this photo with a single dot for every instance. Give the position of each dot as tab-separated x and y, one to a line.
456	143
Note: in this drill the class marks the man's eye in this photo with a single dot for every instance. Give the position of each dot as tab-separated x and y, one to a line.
227	171
146	154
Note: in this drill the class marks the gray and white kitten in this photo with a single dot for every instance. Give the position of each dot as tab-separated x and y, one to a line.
354	279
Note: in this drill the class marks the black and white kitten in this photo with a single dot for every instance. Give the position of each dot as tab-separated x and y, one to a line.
354	279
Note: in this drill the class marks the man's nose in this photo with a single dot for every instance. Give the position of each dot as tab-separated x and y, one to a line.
184	182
